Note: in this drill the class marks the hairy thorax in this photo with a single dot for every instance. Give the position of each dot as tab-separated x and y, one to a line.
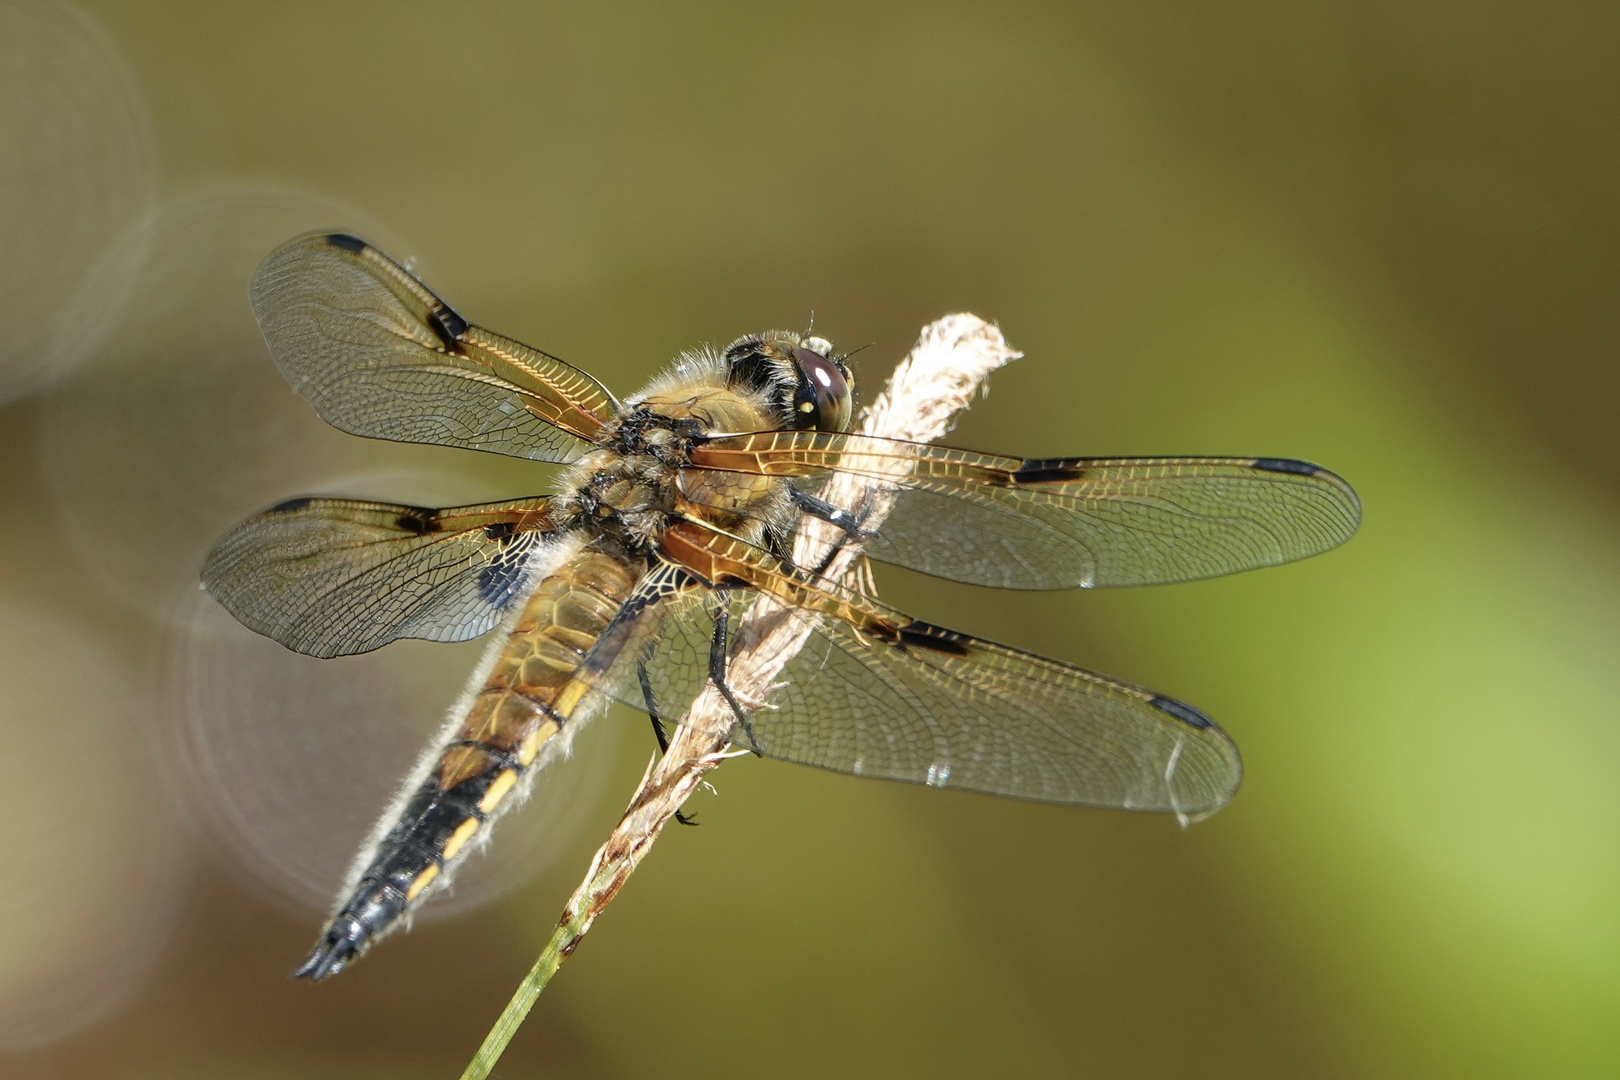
636	484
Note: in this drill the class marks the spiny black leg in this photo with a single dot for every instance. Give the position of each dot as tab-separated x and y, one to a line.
652	708
657	724
843	519
717	664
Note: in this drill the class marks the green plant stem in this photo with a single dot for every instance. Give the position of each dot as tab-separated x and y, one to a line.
528	992
666	786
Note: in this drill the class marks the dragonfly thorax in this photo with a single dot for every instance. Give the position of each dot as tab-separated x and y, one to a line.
637	482
628	497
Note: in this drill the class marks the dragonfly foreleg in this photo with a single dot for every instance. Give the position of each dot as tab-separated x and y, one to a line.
718	649
838	518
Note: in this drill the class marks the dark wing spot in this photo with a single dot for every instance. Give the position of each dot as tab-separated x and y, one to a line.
1284	465
447	324
418	521
1182	711
1048	471
637	603
346	242
501	530
933	638
885	632
290	505
500	582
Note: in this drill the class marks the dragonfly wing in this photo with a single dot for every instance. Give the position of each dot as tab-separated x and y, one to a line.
873	692
332	577
1046	523
654	654
379	355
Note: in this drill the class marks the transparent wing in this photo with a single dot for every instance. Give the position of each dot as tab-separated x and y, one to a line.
653	656
380	355
948	710
872	692
1051	523
332	577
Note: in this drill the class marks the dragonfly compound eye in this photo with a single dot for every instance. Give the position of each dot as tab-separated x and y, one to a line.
822	400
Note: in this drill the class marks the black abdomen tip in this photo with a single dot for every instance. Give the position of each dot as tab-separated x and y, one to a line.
340	944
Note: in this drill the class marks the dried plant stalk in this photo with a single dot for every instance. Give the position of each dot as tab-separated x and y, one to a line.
949	362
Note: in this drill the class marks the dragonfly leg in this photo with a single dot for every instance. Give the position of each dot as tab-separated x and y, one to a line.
842	519
652	708
718	649
657	725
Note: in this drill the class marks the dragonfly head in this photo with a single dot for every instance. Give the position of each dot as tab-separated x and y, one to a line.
806	382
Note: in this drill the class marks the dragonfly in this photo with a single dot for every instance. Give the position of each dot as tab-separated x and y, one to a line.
676	506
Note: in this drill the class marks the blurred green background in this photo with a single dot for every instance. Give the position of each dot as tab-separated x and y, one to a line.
1382	236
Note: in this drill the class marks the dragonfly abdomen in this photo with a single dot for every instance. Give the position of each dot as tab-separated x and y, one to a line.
529	696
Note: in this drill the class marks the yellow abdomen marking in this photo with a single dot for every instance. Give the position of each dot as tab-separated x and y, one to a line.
497	790
458	838
569	699
533	741
423	880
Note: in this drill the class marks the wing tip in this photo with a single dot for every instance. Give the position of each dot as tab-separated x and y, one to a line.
1286	465
343	241
347	241
1183	712
1296	467
1230	762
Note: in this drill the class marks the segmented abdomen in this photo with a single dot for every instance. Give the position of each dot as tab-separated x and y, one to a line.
528	697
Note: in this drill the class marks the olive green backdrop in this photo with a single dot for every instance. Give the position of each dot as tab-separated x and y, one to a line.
1382	236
